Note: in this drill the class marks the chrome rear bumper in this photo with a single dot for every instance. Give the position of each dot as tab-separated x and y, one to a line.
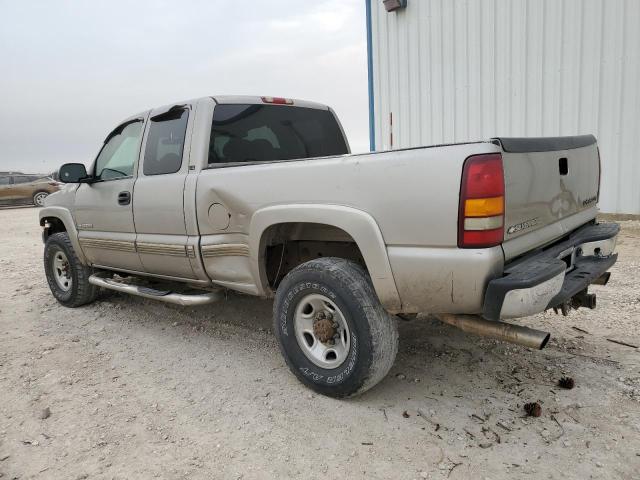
552	276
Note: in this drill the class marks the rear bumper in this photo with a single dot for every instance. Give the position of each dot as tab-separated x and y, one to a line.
550	277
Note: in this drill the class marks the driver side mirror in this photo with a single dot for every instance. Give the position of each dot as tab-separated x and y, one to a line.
73	173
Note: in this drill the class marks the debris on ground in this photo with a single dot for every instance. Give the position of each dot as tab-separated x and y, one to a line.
582	330
622	343
567	383
405	414
45	413
533	409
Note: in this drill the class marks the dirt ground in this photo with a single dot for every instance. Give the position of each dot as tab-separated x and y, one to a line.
137	389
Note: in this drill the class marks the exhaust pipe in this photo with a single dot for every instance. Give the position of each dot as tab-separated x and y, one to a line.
507	332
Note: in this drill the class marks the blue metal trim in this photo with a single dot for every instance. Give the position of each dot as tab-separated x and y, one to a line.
372	131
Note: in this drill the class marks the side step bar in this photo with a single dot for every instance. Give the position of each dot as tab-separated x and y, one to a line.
162	295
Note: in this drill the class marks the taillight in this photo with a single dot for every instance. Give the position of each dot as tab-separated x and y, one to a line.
277	100
481	214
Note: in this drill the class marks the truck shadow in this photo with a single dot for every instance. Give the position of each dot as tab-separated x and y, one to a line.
434	360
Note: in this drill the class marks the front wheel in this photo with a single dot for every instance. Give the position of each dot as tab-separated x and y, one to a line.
67	277
38	198
333	332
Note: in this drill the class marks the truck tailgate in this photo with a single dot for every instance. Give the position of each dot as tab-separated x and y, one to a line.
551	188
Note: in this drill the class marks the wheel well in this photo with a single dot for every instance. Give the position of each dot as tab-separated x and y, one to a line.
287	245
55	226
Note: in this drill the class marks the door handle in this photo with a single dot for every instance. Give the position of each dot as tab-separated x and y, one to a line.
124	198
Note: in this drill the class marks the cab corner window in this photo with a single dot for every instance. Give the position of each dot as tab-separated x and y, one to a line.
119	153
165	142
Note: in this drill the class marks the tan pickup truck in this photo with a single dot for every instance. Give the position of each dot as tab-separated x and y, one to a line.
261	195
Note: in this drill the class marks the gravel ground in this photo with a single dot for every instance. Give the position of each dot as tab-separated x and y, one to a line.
127	388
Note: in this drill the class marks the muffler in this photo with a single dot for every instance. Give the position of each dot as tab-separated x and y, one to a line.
507	332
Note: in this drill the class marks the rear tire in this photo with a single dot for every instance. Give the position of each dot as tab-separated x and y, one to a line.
38	198
67	277
334	334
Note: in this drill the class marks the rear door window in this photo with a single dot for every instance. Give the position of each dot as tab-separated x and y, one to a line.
165	142
259	133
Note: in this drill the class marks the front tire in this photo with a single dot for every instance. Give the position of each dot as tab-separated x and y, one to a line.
67	277
333	332
38	198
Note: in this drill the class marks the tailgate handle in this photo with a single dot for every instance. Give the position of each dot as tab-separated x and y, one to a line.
124	198
563	166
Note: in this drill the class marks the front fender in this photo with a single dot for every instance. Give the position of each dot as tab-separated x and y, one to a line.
360	225
64	215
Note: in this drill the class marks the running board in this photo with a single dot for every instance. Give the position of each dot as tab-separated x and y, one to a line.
162	295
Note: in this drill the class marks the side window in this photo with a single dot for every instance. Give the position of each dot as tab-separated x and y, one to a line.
165	142
119	153
5	180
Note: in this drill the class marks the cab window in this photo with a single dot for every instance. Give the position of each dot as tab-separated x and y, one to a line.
262	133
119	153
165	142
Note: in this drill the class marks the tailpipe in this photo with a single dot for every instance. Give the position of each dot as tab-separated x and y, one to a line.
507	332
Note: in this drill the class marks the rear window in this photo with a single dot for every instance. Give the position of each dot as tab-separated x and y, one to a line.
259	133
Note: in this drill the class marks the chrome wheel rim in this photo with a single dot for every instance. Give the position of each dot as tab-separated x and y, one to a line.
39	199
61	271
322	331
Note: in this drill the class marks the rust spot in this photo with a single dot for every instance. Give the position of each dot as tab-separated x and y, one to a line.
324	329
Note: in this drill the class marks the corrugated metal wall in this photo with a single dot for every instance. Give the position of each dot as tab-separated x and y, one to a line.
457	70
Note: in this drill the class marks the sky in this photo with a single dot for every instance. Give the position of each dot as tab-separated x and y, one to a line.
72	70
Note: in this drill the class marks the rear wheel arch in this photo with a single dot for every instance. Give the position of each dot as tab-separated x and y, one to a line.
358	225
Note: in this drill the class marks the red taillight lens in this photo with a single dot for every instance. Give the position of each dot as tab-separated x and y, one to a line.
481	214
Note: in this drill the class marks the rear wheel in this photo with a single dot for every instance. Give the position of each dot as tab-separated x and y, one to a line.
38	198
333	332
67	277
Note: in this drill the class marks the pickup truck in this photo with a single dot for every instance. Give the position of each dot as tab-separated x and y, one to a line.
261	195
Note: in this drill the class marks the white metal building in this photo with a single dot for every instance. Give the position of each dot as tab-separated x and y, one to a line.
445	71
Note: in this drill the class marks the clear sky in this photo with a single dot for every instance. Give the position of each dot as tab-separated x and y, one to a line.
71	70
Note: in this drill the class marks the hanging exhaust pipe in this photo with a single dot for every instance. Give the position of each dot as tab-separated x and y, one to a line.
507	332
